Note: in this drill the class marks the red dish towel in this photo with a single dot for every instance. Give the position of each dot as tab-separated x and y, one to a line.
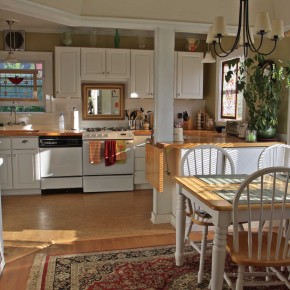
110	152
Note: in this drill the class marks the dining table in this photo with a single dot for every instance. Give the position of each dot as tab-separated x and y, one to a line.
213	194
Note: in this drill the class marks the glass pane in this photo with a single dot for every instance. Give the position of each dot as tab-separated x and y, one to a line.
229	98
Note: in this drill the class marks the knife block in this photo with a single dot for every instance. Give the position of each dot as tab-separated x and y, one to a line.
188	125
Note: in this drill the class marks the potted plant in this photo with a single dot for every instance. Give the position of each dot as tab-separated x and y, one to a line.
261	82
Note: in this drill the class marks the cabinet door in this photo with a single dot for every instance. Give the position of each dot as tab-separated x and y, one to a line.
67	72
26	169
118	63
6	170
142	70
93	63
189	75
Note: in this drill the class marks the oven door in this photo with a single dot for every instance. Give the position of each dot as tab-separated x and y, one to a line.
124	168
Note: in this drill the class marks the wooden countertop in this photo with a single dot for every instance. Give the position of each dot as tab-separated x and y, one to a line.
11	133
197	137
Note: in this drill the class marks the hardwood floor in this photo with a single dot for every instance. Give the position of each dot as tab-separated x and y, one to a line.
75	223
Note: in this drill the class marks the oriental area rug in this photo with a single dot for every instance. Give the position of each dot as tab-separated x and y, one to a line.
134	269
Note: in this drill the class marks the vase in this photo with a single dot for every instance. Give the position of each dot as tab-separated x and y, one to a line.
66	40
117	39
267	133
192	44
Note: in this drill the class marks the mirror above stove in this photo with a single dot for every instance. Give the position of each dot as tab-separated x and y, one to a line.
103	101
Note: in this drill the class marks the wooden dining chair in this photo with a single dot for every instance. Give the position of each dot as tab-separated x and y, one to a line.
275	155
203	160
265	192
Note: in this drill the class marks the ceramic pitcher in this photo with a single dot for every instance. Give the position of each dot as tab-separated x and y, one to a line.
192	44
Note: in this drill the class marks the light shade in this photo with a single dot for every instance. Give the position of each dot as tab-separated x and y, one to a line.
210	37
277	29
262	24
208	58
10	58
219	26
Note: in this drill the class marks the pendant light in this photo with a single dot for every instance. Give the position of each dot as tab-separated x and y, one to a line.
208	56
11	58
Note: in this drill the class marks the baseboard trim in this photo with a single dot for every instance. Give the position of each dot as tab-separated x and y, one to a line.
160	218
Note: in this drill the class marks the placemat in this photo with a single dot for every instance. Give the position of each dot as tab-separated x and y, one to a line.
223	179
255	196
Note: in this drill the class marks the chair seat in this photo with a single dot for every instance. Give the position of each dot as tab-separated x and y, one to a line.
241	257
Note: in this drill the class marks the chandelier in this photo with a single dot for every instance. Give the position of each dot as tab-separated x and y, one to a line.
245	35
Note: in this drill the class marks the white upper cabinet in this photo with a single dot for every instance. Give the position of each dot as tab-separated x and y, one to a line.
99	63
189	75
67	72
142	74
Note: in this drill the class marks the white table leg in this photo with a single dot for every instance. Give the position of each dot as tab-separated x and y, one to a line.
218	258
180	229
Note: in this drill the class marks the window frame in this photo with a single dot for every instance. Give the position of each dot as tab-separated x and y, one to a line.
47	59
218	100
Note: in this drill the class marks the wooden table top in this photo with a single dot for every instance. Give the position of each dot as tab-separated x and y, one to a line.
206	193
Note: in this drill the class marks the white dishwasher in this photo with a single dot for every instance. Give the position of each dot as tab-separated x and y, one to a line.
60	163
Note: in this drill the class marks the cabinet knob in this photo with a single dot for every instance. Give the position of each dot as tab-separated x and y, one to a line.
24	141
103	72
8	155
14	155
108	72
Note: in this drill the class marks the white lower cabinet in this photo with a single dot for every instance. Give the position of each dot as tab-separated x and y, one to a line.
21	166
140	181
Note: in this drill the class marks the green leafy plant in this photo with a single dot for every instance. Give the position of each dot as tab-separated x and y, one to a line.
261	82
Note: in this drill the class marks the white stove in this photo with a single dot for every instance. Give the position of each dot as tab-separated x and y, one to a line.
101	177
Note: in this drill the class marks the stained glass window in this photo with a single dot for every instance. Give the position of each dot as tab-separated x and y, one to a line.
229	93
22	82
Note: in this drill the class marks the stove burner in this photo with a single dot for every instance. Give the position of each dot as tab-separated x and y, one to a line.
99	129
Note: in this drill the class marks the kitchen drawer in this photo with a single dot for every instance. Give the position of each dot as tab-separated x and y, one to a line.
139	164
140	151
5	143
25	143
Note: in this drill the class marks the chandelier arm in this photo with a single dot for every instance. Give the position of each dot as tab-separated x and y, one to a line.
256	50
267	53
237	39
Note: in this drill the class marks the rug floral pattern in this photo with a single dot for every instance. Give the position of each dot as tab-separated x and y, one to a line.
147	268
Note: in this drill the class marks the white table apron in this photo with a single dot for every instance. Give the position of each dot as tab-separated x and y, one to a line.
220	219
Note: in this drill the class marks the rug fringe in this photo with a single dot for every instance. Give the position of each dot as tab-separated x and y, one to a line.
34	280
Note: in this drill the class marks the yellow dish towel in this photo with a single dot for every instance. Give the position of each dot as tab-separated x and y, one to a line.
95	152
121	151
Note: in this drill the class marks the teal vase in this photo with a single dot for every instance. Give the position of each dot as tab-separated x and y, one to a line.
117	39
266	134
